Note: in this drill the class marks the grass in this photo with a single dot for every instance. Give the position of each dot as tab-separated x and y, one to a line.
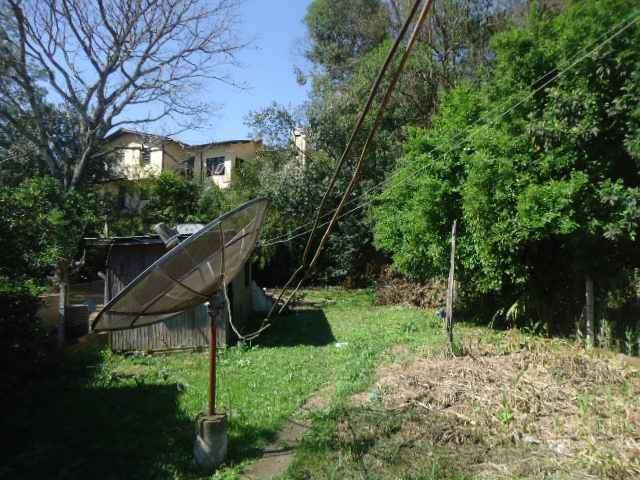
110	416
398	407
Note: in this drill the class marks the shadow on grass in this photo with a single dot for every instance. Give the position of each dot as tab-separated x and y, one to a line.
245	442
67	428
302	327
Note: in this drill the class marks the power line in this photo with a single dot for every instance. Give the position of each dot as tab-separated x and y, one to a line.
305	268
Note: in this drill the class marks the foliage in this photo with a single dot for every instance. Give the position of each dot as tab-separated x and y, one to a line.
453	46
40	224
22	345
274	124
342	31
544	194
172	197
168	198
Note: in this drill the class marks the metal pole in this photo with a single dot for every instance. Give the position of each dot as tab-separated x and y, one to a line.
212	366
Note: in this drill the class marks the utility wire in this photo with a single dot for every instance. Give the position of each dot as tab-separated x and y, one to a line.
304	268
354	133
577	60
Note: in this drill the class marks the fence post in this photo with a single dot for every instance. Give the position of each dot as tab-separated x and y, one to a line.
589	312
451	290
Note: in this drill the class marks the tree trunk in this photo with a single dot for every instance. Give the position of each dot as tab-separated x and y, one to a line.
62	274
589	327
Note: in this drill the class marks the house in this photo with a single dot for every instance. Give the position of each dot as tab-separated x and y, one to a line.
126	257
141	155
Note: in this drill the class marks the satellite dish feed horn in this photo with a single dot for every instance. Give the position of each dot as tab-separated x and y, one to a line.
167	234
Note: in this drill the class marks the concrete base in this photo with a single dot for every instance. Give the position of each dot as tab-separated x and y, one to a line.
210	446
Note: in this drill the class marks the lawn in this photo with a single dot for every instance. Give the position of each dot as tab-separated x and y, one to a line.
126	417
397	406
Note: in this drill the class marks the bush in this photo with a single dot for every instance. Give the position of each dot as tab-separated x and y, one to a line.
544	195
22	338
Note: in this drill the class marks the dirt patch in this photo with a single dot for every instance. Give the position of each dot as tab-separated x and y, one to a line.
561	408
277	456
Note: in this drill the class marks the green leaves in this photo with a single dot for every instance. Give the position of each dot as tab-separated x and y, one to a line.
41	225
551	208
554	178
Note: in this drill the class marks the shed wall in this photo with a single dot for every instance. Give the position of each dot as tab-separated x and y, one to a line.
187	330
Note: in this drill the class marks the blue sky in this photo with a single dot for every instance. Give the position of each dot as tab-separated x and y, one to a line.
267	67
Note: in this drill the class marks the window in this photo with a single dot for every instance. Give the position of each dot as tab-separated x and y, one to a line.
188	167
145	156
215	166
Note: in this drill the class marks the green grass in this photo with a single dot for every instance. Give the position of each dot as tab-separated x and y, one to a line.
132	417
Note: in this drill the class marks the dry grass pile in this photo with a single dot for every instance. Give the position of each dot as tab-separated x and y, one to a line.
392	289
578	411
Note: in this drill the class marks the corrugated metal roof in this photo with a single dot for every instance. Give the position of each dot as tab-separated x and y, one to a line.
128	241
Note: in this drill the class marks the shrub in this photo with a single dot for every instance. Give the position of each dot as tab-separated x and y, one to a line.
22	338
544	195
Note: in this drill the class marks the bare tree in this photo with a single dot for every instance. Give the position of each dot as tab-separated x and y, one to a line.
103	60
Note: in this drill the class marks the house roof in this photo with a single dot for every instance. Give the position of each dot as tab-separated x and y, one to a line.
224	142
127	131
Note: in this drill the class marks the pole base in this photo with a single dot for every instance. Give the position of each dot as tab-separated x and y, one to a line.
210	446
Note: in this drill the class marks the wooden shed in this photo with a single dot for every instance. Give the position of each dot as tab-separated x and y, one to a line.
125	258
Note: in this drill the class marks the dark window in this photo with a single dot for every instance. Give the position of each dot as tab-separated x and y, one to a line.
215	166
188	167
146	155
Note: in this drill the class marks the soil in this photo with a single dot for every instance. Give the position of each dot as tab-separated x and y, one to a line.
277	456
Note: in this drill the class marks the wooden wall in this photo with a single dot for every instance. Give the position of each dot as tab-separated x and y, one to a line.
187	330
183	331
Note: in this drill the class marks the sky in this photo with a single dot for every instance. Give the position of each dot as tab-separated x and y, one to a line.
277	30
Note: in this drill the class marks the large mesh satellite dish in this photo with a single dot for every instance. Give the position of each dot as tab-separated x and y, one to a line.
189	274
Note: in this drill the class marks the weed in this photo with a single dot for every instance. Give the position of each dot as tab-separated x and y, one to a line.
505	414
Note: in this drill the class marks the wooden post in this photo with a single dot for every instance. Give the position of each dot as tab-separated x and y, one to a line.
589	308
62	274
451	289
212	357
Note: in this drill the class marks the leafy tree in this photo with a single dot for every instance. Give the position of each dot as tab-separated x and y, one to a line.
274	125
342	31
453	48
544	195
168	198
133	53
39	225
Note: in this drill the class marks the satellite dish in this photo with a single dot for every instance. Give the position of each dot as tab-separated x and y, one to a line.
189	274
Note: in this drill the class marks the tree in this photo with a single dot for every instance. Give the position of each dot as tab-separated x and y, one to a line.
342	31
453	47
548	194
101	60
274	125
39	225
